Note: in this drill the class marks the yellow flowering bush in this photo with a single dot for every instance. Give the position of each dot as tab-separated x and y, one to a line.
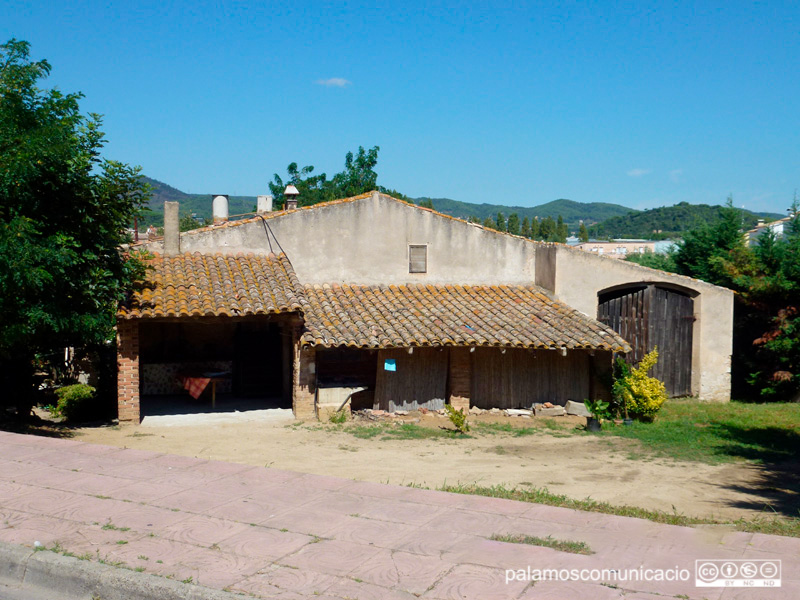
640	394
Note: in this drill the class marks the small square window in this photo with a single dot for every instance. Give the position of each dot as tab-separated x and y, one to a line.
418	258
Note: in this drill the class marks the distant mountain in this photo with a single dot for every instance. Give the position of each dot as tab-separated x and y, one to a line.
197	204
605	219
669	221
572	212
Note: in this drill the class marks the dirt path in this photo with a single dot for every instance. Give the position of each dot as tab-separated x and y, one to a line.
575	465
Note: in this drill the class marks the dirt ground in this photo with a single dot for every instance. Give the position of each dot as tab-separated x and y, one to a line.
608	469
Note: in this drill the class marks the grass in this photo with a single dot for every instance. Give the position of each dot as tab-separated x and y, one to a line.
548	542
404	431
505	428
719	432
707	432
111	527
772	524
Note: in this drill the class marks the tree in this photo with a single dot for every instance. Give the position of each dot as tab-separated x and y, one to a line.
359	176
715	254
500	222
490	223
64	211
513	223
426	203
766	337
535	229
583	233
562	230
525	231
188	222
547	229
313	188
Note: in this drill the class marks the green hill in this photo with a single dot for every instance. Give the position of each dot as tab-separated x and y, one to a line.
669	221
572	212
605	219
197	204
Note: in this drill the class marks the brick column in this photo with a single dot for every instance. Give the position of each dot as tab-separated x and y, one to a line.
460	378
303	381
128	371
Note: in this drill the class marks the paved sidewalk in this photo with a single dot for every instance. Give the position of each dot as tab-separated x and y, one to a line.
279	534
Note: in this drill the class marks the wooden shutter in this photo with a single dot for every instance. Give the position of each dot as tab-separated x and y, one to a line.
418	259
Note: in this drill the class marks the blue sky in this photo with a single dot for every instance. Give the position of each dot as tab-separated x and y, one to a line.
644	104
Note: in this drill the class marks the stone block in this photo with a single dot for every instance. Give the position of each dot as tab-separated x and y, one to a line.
577	408
556	411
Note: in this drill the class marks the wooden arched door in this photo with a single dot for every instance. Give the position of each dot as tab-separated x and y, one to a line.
648	315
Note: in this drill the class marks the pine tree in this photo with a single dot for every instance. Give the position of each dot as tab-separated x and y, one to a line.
526	228
513	224
583	233
501	222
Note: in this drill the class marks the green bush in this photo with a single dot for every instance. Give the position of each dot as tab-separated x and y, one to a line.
74	401
458	418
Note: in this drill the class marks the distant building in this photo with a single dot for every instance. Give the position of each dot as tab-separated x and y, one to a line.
779	228
618	248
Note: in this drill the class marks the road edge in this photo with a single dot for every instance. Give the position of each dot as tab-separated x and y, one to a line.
67	576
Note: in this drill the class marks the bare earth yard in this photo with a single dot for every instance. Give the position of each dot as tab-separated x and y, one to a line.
606	468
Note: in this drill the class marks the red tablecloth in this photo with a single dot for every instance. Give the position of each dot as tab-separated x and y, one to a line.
195	385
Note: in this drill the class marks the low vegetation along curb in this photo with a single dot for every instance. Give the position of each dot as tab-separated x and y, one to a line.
773	525
561	545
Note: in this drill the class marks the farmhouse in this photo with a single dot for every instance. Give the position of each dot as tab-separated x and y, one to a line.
401	307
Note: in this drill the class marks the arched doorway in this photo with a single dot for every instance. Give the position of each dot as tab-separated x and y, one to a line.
649	315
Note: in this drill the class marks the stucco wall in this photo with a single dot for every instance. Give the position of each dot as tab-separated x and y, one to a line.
366	241
581	276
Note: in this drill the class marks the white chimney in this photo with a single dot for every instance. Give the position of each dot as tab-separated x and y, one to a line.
264	204
172	233
219	208
291	194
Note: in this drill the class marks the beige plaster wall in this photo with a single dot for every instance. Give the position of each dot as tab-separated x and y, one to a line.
580	276
366	241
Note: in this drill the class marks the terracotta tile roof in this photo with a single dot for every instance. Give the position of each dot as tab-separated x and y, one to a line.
215	285
436	315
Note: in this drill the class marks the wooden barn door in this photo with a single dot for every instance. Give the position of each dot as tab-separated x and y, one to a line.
648	316
418	380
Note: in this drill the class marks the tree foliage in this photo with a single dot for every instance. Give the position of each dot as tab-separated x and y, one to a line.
64	211
513	224
766	357
583	233
358	177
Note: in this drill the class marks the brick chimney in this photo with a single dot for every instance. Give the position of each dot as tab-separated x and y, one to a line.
172	232
219	208
291	194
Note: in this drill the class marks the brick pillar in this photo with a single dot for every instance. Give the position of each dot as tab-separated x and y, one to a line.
128	371
303	381
460	378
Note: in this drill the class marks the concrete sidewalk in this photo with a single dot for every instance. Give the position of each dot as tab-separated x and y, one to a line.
279	534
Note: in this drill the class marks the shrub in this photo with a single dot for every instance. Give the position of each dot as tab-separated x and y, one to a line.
74	401
598	408
637	392
458	418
